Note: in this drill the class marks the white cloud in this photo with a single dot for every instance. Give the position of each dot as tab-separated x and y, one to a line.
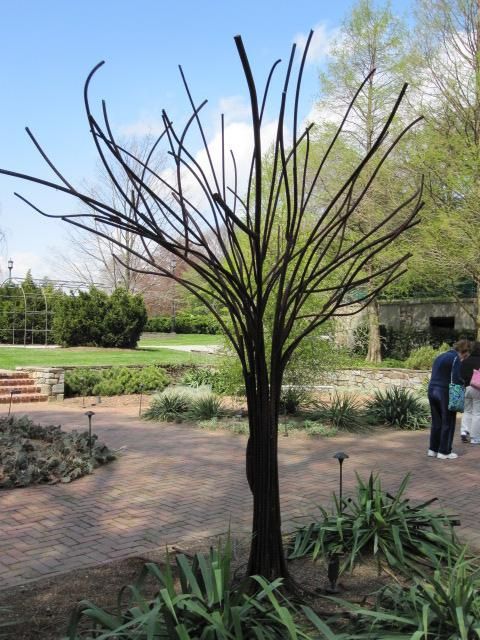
234	108
321	44
145	126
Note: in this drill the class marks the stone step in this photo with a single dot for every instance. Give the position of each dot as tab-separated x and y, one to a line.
6	374
16	381
20	397
20	389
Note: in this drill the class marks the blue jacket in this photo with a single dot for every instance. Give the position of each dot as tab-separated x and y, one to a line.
445	369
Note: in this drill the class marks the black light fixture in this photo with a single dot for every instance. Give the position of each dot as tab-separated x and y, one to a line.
89	415
341	456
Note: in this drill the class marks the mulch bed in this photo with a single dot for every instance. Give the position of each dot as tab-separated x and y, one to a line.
40	610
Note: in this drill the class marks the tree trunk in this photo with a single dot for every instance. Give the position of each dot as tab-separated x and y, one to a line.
267	557
374	353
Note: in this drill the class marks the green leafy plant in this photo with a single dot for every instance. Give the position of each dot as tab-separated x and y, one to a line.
398	407
170	405
201	377
201	603
343	411
423	357
377	523
445	604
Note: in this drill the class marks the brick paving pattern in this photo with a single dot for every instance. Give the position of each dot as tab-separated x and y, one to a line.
173	483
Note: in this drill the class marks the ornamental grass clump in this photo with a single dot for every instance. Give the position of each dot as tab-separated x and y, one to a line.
400	408
379	524
169	406
194	599
205	406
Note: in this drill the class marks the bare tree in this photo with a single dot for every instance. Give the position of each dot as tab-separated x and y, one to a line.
99	258
256	265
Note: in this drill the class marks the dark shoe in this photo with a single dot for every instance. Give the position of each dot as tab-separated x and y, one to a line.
464	437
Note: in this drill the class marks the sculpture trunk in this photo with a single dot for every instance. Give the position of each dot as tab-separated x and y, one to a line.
266	553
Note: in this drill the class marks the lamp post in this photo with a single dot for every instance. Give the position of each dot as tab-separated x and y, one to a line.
89	415
140	405
10	267
333	569
173	264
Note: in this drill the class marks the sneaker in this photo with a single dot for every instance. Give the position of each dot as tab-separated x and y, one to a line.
447	456
464	437
474	441
431	454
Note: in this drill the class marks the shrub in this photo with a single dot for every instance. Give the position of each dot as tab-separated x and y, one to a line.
200	604
343	411
184	323
205	407
80	382
379	524
92	318
423	357
170	405
398	407
114	381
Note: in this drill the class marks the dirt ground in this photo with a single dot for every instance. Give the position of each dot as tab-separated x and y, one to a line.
41	610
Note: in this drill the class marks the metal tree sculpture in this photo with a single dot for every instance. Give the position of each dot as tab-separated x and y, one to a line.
247	262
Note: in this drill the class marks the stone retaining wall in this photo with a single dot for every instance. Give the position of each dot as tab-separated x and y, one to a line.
373	379
51	380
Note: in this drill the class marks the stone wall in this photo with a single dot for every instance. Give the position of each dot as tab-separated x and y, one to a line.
51	380
370	380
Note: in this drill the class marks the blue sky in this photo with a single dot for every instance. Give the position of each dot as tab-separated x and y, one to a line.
48	47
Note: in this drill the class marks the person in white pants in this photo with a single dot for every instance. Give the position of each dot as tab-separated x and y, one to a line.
471	415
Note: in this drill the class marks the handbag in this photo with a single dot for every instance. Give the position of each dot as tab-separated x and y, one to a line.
475	381
456	394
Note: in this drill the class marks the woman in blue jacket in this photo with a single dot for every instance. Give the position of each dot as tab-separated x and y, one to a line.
445	369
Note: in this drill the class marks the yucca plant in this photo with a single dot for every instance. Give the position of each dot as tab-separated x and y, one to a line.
343	411
400	408
205	406
169	405
442	606
199	604
376	523
292	398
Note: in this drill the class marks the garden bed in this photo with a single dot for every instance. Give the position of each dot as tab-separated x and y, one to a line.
35	454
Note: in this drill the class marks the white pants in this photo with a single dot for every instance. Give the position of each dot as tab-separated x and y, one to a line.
471	414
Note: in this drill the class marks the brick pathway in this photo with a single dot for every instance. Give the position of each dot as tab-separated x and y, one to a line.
173	483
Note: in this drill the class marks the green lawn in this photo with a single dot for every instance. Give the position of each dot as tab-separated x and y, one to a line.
173	339
11	357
